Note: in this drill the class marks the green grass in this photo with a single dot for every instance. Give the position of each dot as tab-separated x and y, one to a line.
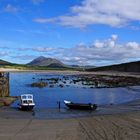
6	101
26	67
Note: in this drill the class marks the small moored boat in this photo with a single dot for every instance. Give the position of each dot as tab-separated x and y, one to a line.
80	106
26	102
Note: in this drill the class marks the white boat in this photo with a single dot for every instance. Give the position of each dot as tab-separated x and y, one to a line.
26	102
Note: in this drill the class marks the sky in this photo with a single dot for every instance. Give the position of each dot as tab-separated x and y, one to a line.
77	32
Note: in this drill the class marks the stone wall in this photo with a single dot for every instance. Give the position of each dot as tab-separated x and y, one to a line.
4	84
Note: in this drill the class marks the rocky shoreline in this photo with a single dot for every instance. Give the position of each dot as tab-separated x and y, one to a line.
87	80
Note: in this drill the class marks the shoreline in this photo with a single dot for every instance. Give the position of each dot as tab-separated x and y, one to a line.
124	125
65	113
69	72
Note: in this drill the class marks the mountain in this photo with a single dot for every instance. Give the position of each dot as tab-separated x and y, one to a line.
125	67
49	62
2	62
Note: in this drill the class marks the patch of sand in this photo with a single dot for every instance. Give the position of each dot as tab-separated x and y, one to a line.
8	70
111	73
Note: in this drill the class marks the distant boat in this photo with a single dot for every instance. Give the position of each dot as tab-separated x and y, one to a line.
80	106
26	102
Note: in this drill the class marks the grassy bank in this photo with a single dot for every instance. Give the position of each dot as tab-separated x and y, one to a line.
27	67
6	101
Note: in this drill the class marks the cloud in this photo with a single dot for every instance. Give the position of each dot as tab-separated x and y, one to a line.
100	52
11	9
43	49
44	20
37	1
36	49
114	13
3	53
4	47
28	31
24	57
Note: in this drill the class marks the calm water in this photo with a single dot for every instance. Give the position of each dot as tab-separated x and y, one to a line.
47	97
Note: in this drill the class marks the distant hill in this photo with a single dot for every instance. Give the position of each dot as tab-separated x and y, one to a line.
125	67
82	67
2	62
49	62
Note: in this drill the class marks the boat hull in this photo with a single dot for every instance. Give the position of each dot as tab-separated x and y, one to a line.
26	108
79	106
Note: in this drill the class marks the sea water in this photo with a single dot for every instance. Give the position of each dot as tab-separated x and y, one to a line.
47	97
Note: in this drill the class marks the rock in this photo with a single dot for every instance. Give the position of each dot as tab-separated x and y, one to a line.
39	84
51	86
61	85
